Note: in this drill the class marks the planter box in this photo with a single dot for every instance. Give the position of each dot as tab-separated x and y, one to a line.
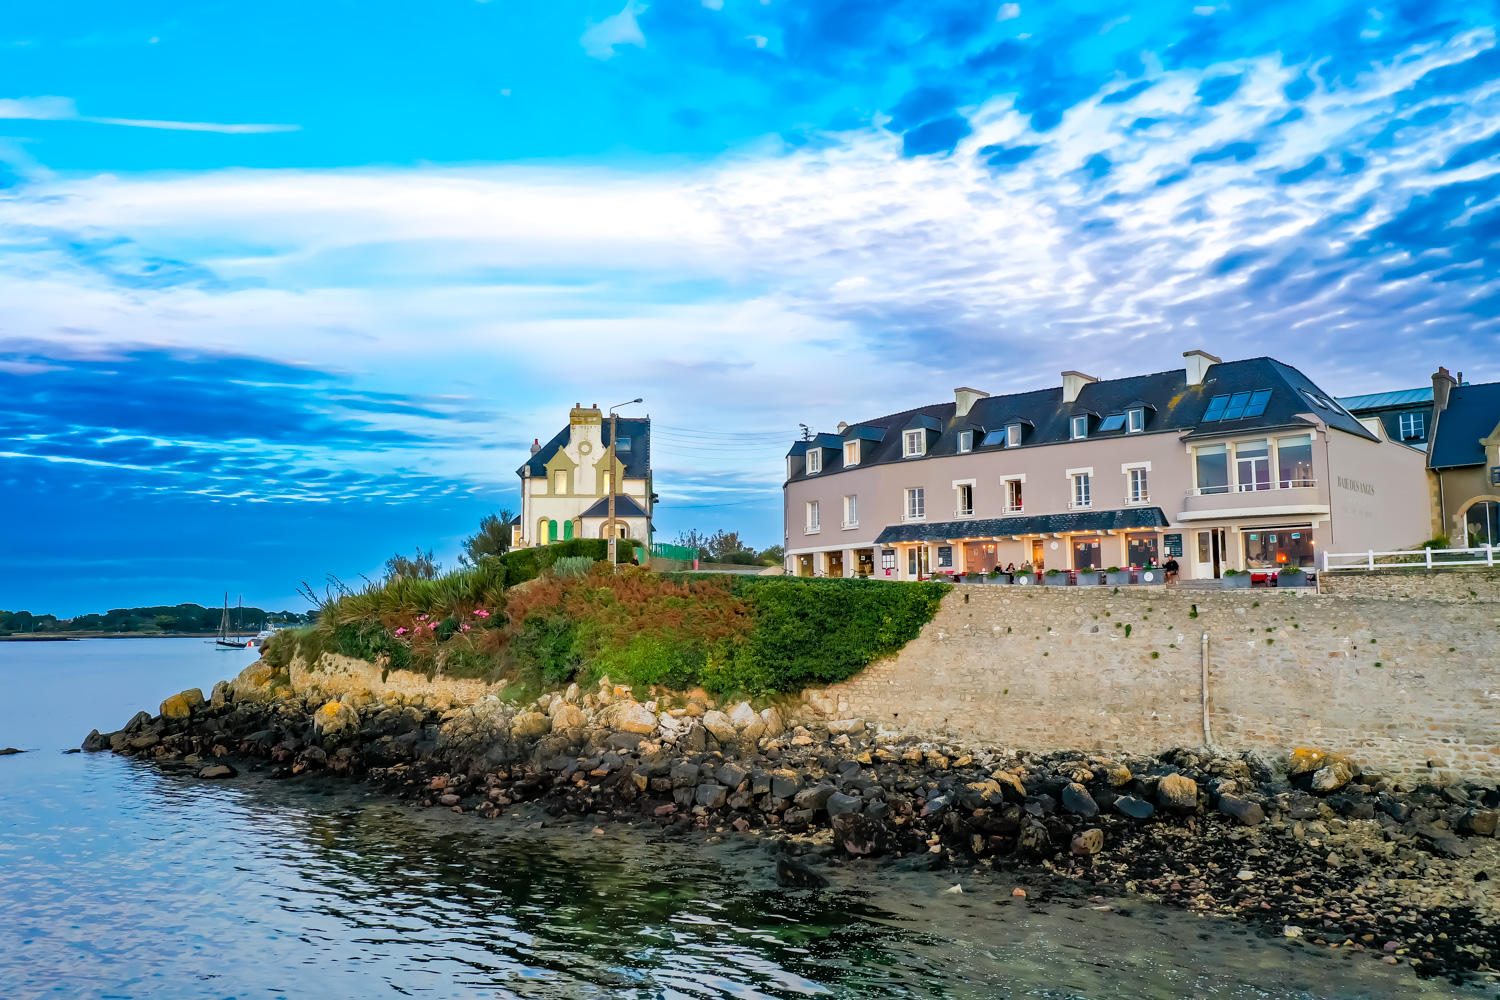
1120	579
1025	579
1240	581
975	578
1056	579
1088	578
1151	576
1291	580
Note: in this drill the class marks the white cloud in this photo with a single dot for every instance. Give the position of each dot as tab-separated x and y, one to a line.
599	40
1008	11
714	4
65	109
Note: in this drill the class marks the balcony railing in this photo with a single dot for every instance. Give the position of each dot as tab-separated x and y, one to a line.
846	525
1137	499
1283	484
964	512
1085	504
909	517
812	529
1015	508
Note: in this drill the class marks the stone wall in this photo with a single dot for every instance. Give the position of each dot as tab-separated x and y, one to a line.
1053	668
1465	586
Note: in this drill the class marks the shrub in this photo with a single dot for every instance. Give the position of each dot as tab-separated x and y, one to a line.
528	564
549	644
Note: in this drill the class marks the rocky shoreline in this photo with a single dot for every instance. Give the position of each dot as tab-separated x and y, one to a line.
1310	846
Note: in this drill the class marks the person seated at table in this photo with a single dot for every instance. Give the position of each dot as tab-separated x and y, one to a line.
1170	569
1010	568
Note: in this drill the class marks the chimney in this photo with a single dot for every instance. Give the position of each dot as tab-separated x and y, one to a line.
1198	363
536	445
843	426
1073	383
966	398
1442	384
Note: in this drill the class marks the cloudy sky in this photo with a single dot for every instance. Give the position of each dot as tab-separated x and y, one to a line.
285	287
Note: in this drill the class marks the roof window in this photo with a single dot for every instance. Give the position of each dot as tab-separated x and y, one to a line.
995	437
814	462
1237	405
1113	422
622	444
965	442
1080	427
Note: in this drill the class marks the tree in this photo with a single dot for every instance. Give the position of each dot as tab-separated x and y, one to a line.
773	556
419	567
492	539
695	540
723	544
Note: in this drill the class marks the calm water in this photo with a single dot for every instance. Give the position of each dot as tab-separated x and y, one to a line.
119	881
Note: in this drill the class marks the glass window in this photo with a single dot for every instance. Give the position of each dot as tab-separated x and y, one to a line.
814	461
1483	524
996	437
812	515
1278	548
1137	421
1140	491
1113	422
965	499
1213	469
1294	461
1087	554
916	503
1012	435
915	443
1081	491
1412	426
1013	501
1204	543
622	444
1252	461
851	510
1142	550
1258	400
1215	408
851	453
1080	426
887	559
1315	399
559	481
965	441
1235	408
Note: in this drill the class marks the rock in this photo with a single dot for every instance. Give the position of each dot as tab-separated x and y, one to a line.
94	741
141	742
935	805
335	717
839	804
257	683
1304	760
220	696
784	785
1088	842
1133	807
1247	812
10	750
529	725
712	796
571	694
1332	777
138	721
565	716
774	725
666	810
793	874
730	775
797	817
1118	777
1448	845
181	705
1263	767
685	775
449	799
218	771
843	727
1479	822
1010	785
630	717
719	726
1174	791
1077	800
982	794
745	719
854	832
815	798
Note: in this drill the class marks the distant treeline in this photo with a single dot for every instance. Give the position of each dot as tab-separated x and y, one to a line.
179	618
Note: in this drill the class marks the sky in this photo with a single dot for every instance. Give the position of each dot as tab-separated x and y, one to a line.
287	287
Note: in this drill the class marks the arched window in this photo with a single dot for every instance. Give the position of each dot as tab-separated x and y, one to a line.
541	530
551	531
1483	524
567	531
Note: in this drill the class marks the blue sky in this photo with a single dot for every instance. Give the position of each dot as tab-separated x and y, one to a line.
287	287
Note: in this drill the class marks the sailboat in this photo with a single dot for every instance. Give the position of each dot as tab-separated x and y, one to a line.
225	640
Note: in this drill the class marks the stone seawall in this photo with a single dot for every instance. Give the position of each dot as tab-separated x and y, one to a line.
1394	680
1462	586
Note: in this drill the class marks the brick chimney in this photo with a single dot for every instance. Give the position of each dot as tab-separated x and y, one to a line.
1073	383
1442	384
966	398
1198	364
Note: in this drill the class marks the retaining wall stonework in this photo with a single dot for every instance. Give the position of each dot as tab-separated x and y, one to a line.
336	676
1052	668
1463	585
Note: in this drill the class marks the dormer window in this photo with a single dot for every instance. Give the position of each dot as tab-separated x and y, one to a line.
1013	436
1113	422
851	453
814	462
913	444
1080	427
965	442
622	444
1135	420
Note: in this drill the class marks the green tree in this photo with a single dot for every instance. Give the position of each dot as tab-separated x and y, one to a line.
419	567
492	539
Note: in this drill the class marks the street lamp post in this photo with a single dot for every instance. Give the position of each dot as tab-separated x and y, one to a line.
614	427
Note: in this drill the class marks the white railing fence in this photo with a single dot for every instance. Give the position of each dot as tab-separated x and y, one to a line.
1370	560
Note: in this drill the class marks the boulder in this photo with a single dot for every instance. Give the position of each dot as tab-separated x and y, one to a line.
529	725
257	682
1305	760
718	724
1247	812
220	696
565	716
745	719
797	817
814	798
1077	800
685	775
774	724
1088	842
983	794
94	741
1010	785
712	795
1479	822
335	717
1174	791
181	705
630	717
793	874
1332	777
1133	807
218	771
784	784
839	804
730	775
845	727
1118	777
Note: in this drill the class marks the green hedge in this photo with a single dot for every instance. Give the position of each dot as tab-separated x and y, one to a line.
527	564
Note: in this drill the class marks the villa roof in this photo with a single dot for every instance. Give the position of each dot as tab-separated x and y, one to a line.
1472	413
637	460
1384	400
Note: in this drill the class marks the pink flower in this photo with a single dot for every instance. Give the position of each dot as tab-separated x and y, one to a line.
464	627
432	627
481	613
400	631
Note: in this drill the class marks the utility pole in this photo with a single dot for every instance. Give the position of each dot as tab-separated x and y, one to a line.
614	427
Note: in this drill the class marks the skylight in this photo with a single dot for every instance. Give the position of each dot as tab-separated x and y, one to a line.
1237	405
1113	422
995	437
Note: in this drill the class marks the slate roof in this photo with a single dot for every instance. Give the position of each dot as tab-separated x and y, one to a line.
637	460
1471	414
1172	407
624	507
1382	400
1032	524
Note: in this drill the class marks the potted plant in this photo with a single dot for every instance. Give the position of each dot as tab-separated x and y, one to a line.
971	576
1291	576
1117	577
1055	578
1088	578
1026	577
1235	580
998	575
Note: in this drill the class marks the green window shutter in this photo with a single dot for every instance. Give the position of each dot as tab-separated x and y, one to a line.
567	531
551	531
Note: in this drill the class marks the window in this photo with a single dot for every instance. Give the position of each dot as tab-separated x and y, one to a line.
1142	550
609	482
1013	501
1080	426
1278	548
567	531
851	452
1213	469
1139	491
1087	554
551	531
812	517
851	512
1113	422
1316	400
887	560
1239	404
814	461
1252	461
559	481
1013	436
1412	427
622	444
1000	436
1294	461
965	442
1482	523
1082	496
791	466
1136	420
916	504
913	443
965	501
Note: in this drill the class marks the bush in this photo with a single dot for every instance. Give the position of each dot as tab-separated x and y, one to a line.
528	564
548	643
